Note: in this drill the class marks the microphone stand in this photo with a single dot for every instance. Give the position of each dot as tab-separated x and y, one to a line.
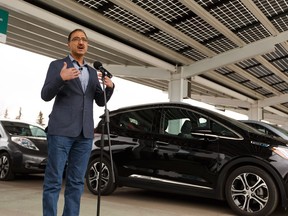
105	121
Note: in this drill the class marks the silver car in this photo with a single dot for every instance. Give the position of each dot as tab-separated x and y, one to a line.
269	129
23	149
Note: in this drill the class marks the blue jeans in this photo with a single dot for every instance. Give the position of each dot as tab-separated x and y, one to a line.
76	151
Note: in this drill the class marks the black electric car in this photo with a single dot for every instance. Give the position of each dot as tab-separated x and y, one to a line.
180	148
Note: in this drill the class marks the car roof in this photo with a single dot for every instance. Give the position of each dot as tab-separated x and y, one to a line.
159	105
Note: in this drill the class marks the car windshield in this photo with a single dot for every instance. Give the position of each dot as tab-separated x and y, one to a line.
280	129
23	129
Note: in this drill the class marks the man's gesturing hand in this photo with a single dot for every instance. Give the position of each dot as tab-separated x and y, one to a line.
69	73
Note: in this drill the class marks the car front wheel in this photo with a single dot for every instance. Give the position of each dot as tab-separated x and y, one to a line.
107	184
250	191
5	167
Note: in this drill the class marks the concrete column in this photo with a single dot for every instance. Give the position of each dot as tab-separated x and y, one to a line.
255	112
178	87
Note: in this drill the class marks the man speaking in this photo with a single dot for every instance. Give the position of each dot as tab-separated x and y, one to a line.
75	86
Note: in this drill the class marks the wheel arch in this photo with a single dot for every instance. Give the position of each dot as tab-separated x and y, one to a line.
96	153
5	149
244	161
9	154
10	174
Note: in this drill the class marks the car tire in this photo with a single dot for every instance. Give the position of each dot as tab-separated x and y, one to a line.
108	185
242	197
6	172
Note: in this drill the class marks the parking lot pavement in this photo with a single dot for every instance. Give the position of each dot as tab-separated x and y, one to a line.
23	196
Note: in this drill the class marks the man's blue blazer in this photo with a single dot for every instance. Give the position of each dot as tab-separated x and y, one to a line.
72	111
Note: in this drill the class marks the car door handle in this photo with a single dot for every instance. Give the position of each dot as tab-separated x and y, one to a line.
161	143
113	135
212	138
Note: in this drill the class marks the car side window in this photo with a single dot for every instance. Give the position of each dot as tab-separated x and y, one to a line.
258	127
221	130
178	122
185	123
37	132
141	121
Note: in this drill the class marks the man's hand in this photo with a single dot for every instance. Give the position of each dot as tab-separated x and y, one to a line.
107	81
69	73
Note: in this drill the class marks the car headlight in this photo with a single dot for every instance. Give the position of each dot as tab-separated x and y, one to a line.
281	151
24	142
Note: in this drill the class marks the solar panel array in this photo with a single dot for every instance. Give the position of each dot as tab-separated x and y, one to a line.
191	31
231	13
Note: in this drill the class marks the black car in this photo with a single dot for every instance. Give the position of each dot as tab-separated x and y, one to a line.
179	148
23	149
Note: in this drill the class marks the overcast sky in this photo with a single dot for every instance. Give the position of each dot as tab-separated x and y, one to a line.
22	77
23	74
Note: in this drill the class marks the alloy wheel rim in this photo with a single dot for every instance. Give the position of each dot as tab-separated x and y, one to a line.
94	176
4	167
249	192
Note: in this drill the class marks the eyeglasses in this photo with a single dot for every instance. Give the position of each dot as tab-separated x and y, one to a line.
78	39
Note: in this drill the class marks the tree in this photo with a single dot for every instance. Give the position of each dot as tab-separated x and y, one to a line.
6	113
20	114
40	119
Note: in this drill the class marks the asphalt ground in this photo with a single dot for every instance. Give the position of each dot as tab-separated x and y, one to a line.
23	196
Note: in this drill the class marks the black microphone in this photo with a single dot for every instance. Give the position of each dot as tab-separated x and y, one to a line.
98	66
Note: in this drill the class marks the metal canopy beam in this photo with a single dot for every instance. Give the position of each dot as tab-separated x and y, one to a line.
273	100
221	101
139	72
235	55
